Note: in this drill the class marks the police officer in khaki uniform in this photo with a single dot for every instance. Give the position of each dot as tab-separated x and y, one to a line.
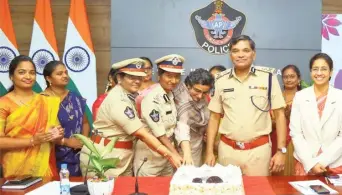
117	118
159	112
245	94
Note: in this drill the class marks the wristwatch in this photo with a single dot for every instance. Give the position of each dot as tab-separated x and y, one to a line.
283	150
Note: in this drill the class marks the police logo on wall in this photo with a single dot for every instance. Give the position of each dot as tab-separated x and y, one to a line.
40	58
215	25
6	56
77	59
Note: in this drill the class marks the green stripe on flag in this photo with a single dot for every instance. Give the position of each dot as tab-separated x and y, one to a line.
72	87
36	88
3	90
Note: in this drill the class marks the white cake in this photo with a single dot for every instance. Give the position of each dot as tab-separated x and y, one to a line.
231	176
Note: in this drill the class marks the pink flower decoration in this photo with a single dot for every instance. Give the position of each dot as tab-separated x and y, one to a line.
329	24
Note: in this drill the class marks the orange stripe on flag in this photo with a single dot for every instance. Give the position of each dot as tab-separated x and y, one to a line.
6	22
78	15
43	17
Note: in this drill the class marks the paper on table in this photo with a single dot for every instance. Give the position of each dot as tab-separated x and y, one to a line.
51	188
336	182
304	186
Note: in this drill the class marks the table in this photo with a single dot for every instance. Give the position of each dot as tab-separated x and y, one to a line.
160	185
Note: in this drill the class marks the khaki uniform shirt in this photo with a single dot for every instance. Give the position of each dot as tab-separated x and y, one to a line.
158	112
192	122
117	117
242	120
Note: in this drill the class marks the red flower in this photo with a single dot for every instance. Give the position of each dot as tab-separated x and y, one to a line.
329	24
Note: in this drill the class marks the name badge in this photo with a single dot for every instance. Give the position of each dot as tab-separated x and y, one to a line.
228	90
257	87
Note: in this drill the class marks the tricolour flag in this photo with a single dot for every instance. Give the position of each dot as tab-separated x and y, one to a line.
8	45
79	55
43	47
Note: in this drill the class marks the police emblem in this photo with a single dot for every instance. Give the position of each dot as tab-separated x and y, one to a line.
139	65
154	115
129	113
215	25
175	61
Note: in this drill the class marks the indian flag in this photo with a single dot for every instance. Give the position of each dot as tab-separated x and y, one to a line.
79	55
43	47
8	45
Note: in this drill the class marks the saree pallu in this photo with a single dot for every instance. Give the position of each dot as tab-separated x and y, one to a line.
97	104
70	115
24	121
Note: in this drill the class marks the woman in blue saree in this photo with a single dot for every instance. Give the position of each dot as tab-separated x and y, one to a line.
71	116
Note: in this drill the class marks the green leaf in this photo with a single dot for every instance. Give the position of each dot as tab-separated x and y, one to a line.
97	165
109	163
305	85
88	143
109	147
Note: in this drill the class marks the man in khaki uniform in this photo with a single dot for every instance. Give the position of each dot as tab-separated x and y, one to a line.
117	118
158	112
245	94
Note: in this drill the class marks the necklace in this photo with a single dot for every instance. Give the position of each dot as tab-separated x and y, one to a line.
71	117
287	96
21	101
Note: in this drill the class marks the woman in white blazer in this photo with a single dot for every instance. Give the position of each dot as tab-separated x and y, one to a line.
316	122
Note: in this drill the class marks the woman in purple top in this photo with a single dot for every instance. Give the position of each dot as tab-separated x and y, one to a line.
71	116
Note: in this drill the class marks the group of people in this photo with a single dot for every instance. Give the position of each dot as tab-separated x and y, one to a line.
36	129
236	116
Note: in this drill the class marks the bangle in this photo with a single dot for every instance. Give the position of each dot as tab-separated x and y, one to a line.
159	147
62	141
32	142
166	155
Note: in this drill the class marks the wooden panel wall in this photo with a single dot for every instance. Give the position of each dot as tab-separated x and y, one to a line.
332	6
99	19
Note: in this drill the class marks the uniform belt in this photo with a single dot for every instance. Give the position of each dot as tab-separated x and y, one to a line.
245	145
118	144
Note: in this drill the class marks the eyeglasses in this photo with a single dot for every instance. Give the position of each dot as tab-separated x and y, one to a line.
323	69
198	91
148	69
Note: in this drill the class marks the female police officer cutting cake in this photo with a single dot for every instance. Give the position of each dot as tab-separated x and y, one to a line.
117	118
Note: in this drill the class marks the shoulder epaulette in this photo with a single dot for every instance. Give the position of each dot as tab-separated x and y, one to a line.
221	74
265	69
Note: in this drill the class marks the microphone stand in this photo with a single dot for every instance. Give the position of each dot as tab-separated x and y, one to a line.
136	181
82	189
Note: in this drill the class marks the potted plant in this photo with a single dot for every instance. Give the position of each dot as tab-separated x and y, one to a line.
100	184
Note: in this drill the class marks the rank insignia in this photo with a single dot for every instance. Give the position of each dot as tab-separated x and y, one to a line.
154	115
129	113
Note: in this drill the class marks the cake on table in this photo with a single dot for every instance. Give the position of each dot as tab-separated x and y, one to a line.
190	180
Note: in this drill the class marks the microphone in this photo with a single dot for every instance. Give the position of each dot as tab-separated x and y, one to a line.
82	189
136	180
